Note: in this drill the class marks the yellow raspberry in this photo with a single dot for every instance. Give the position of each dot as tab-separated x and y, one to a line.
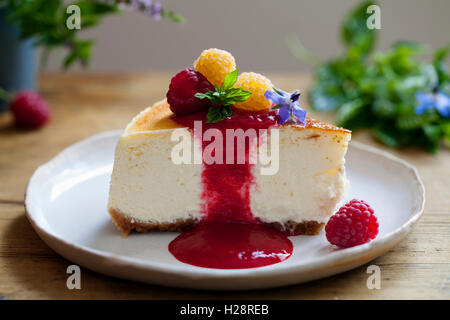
215	64
257	84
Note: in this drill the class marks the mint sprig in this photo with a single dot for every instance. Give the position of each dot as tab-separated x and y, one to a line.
44	21
223	98
377	89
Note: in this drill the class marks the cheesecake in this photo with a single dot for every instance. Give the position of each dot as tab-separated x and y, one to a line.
223	149
148	191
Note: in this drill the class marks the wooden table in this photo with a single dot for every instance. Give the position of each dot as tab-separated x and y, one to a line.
85	104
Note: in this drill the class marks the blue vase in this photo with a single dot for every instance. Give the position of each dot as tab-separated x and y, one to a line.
17	59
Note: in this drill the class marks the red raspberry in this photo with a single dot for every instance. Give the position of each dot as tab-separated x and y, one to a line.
184	85
352	225
30	110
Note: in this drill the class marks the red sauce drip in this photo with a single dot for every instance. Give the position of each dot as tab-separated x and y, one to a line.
225	245
229	237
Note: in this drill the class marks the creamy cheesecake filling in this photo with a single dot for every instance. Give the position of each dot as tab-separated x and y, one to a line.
148	186
311	179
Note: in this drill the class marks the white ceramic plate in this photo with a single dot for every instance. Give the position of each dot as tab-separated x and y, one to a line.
66	203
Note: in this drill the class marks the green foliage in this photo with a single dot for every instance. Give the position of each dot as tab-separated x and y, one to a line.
224	97
45	22
376	90
354	32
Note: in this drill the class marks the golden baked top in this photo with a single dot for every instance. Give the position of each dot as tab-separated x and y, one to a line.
158	117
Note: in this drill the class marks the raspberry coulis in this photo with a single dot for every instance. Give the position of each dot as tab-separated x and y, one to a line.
231	245
229	237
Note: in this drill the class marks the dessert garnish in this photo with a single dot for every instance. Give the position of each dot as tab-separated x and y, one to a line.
287	105
257	84
231	245
183	87
223	98
215	64
216	84
354	224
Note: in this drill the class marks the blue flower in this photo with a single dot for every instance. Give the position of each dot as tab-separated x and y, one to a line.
287	105
439	101
155	10
148	6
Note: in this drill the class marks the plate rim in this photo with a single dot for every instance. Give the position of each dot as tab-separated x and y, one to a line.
345	257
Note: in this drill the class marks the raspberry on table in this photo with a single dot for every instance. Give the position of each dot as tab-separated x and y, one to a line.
257	84
29	110
183	87
215	64
353	224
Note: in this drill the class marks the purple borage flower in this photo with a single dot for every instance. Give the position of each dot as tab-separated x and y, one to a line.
287	105
438	100
153	8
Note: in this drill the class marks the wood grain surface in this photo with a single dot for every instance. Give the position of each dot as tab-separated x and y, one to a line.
85	104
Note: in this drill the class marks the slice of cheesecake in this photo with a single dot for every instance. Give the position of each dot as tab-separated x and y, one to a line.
149	191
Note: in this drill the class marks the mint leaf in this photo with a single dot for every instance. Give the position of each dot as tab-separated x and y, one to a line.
44	21
349	113
206	95
230	80
439	64
355	33
377	90
224	97
238	94
218	113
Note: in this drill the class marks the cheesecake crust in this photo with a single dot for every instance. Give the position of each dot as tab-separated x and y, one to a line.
127	224
292	228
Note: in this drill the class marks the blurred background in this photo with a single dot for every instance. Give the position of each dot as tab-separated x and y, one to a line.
369	78
253	30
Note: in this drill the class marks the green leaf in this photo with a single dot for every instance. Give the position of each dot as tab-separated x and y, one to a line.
414	121
445	128
439	64
401	57
224	98
235	95
350	113
172	16
218	113
70	59
433	133
387	136
384	108
81	51
207	95
326	97
230	80
355	33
